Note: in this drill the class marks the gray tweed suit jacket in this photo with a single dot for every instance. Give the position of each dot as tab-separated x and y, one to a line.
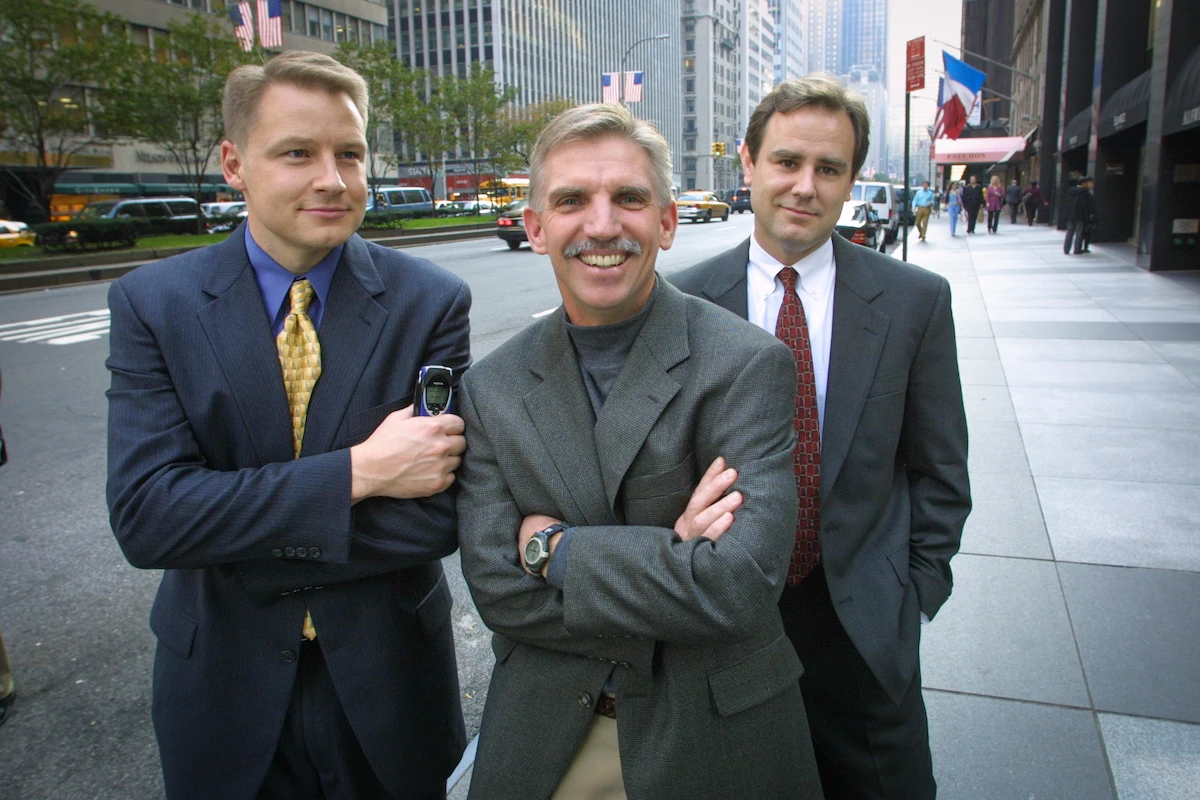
894	488
706	681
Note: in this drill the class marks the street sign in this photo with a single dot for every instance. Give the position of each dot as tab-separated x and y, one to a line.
914	74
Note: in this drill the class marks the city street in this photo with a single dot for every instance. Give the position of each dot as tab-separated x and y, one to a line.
1063	666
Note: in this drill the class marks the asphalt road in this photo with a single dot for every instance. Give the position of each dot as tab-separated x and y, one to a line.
73	612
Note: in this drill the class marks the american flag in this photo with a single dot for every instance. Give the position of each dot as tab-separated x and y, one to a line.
243	25
608	88
633	87
270	23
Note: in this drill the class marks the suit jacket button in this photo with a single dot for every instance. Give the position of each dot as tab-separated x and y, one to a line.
302	552
289	551
276	552
314	552
288	655
585	700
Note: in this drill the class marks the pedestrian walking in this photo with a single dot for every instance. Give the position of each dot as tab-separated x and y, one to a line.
995	204
1012	198
954	207
1032	199
923	201
1081	217
972	201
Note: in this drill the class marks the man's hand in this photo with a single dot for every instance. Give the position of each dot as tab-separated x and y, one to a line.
531	525
407	457
710	511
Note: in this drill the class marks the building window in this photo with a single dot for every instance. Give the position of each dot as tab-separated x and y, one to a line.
689	85
314	22
327	25
689	165
689	65
689	105
689	45
689	145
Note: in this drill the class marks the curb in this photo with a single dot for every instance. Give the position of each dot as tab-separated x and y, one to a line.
55	271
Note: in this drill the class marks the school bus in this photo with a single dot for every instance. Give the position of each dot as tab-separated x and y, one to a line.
505	190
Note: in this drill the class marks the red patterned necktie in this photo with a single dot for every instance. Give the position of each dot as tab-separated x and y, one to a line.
792	329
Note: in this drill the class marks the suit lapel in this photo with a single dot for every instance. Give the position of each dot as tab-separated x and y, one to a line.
350	328
240	335
859	331
726	285
643	389
562	415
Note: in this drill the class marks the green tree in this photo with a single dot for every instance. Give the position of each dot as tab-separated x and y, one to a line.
517	131
175	102
474	105
57	57
422	118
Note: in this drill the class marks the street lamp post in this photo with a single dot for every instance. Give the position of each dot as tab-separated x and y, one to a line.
628	50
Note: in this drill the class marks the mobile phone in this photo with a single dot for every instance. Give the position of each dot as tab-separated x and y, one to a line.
434	392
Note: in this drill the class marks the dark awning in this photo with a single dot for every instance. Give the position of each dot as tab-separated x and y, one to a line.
1076	132
1128	106
1182	111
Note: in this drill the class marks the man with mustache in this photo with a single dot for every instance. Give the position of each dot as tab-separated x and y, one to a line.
884	500
626	506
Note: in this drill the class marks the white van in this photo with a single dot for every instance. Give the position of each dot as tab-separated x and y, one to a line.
882	197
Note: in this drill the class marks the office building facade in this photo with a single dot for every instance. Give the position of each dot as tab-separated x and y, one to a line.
791	52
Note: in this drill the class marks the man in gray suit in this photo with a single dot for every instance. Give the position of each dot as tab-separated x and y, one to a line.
639	650
885	498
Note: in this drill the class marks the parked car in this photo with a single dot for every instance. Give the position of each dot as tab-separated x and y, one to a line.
739	200
16	234
510	225
175	208
882	196
410	201
701	207
220	209
237	210
861	224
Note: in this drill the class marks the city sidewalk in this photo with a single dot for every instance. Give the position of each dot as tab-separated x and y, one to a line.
1066	664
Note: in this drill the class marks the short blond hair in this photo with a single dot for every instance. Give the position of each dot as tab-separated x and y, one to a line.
245	86
598	121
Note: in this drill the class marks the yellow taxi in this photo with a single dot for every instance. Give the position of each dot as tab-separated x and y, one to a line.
701	207
16	234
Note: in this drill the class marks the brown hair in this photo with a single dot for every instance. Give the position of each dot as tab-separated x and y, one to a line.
815	89
245	86
597	121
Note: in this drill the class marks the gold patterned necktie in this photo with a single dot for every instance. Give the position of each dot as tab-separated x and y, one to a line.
300	359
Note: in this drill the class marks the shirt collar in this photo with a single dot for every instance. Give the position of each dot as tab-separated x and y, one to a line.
815	271
274	281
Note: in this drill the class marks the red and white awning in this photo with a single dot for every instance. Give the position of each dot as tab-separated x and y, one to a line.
983	150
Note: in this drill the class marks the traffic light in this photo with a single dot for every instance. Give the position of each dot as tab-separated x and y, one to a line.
716	148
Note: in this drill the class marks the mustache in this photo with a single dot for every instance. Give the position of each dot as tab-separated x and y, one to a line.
622	245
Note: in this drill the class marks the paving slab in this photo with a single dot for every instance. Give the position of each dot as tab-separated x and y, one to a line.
1138	632
1112	453
1152	759
987	404
1108	375
996	447
1125	409
990	749
1006	518
1004	633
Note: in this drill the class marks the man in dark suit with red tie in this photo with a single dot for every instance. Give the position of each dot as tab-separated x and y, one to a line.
262	453
882	469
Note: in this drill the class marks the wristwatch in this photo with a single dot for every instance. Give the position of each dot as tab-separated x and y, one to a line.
537	549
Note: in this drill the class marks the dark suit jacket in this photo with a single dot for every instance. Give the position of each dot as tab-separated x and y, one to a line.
894	489
708	701
203	484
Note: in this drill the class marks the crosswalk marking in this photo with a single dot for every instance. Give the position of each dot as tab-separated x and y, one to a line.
66	329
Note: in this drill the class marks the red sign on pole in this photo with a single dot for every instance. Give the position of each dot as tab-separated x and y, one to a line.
914	75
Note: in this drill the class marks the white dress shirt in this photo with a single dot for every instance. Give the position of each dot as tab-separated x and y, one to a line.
816	278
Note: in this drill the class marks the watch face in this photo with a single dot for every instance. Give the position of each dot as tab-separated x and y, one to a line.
533	551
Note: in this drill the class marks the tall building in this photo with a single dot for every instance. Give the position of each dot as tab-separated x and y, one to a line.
791	54
824	34
863	36
758	46
712	64
868	82
549	50
987	30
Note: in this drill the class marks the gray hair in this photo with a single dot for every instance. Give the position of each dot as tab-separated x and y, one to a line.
245	86
597	121
815	89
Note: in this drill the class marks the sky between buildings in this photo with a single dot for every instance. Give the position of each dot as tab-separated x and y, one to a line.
933	19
